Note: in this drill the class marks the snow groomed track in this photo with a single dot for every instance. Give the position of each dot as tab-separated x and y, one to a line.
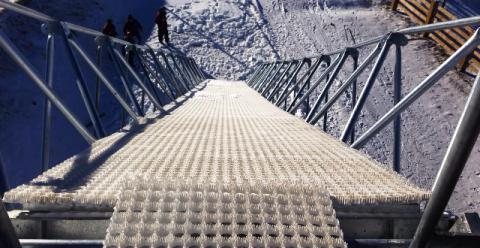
222	140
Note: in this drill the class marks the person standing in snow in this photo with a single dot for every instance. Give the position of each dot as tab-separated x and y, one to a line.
161	21
133	28
109	28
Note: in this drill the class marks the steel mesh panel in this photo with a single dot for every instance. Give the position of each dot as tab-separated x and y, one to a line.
224	132
188	214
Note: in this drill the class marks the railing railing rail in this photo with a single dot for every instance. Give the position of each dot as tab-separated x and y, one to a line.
295	94
157	74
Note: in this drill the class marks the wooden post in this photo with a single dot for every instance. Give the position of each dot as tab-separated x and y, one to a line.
432	11
394	4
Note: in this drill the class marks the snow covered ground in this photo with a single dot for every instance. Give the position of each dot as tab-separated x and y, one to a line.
228	38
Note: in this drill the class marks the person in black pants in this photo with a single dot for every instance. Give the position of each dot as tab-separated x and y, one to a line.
161	21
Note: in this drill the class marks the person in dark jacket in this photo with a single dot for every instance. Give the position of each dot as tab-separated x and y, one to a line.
133	27
161	21
109	28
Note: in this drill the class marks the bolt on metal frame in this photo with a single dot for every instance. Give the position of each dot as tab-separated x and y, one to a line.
464	137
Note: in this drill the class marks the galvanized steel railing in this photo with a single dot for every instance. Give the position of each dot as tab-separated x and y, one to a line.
159	75
277	82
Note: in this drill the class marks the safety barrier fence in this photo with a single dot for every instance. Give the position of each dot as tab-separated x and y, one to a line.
160	75
282	83
430	11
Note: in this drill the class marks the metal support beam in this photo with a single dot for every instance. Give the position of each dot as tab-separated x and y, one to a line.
293	107
47	106
366	89
282	80
7	45
139	80
324	92
67	38
347	83
458	151
148	71
418	91
305	79
124	79
272	80
167	78
290	80
397	96
105	81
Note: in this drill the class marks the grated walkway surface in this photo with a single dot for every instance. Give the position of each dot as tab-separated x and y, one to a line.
224	134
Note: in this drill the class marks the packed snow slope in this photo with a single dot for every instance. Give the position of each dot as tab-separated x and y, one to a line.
228	38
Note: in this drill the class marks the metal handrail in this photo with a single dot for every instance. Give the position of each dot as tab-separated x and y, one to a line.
462	142
160	76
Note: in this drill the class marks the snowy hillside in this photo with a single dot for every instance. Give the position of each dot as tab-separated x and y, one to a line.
228	38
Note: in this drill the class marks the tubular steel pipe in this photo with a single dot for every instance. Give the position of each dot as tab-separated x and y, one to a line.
272	79
177	81
347	83
464	138
177	62
47	106
283	79
185	80
81	84
156	61
16	56
290	80
124	79
342	58
260	75
105	81
366	90
147	70
397	96
8	237
305	78
280	80
418	91
139	81
306	95
265	77
255	73
354	95
98	88
61	242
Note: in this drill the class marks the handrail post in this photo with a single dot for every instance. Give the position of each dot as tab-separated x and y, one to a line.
7	45
138	79
397	123
123	79
418	91
47	105
67	36
458	151
354	94
393	38
159	67
98	88
100	41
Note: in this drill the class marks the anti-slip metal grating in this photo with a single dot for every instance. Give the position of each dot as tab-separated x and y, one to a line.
225	132
153	213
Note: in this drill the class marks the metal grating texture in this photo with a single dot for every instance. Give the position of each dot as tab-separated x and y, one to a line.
223	132
153	213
